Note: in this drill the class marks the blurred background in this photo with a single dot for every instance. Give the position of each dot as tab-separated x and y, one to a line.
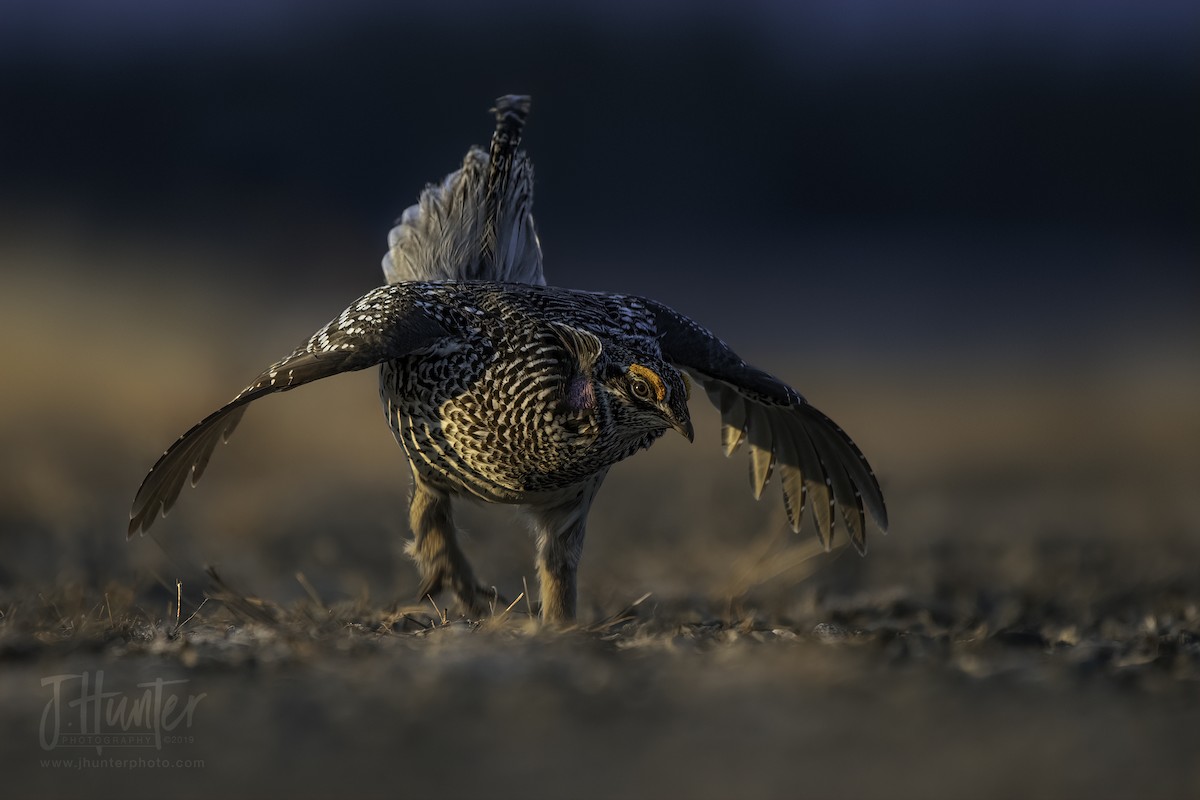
968	231
965	229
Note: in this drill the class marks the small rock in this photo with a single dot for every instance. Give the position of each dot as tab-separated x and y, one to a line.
828	632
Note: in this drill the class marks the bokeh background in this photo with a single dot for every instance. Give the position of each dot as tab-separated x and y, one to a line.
968	231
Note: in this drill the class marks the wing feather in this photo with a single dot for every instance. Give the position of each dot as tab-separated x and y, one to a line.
819	465
791	480
815	479
762	441
794	493
733	415
386	323
846	494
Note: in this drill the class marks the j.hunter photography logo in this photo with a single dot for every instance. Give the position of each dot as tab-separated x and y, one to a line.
82	713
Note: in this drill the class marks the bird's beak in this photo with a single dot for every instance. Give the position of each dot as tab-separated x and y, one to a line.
684	426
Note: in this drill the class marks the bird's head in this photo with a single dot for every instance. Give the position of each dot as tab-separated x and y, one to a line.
647	394
643	393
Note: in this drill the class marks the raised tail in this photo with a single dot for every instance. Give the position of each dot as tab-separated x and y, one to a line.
477	224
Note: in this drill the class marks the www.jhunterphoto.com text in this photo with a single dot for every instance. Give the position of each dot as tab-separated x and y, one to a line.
108	762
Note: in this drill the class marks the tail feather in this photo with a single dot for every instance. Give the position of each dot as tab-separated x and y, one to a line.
510	111
477	224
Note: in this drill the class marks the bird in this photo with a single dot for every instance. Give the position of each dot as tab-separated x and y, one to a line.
503	389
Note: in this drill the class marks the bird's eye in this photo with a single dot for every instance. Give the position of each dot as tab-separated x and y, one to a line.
641	389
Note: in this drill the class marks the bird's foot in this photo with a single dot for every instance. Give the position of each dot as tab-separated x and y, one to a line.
471	598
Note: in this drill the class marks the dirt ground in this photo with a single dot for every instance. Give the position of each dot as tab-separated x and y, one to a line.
1030	626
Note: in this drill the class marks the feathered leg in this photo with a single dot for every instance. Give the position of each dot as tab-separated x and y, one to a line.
560	530
434	547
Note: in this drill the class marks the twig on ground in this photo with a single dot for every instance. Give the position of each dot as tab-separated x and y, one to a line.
310	590
528	603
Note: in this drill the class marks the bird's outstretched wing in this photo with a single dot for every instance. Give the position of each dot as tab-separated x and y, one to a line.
388	322
813	456
477	224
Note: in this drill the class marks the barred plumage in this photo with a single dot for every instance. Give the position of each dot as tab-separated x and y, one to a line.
513	392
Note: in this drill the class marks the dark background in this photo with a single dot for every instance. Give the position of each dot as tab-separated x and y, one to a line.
968	231
956	174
